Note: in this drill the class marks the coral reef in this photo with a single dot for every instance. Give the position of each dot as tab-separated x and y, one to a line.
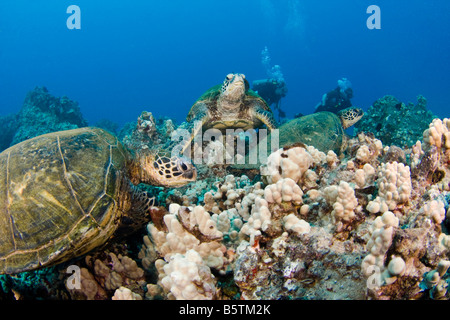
147	133
107	125
46	284
435	282
396	123
41	113
9	126
394	187
371	224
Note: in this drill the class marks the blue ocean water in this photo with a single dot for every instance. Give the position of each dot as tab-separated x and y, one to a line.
160	56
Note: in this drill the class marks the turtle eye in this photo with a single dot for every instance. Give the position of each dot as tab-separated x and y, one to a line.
229	76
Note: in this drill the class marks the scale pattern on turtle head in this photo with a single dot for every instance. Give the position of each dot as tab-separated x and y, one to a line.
350	116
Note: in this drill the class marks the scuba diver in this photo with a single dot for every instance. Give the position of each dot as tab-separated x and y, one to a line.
271	90
337	99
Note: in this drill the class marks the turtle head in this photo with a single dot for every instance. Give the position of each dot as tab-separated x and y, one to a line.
234	87
172	172
350	116
160	170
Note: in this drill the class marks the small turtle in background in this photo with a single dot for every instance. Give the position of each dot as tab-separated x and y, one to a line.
323	130
68	192
230	105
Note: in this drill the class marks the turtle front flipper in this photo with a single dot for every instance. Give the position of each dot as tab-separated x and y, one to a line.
137	212
266	117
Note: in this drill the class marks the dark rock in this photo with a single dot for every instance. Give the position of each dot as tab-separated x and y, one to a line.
395	123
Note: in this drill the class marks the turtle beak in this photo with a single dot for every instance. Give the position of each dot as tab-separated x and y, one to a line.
189	172
190	175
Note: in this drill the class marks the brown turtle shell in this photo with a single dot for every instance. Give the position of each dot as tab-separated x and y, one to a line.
323	130
60	197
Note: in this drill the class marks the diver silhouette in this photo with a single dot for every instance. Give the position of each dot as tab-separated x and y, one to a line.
337	99
271	90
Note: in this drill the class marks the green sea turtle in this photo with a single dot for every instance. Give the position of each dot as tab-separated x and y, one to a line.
230	105
66	193
323	130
